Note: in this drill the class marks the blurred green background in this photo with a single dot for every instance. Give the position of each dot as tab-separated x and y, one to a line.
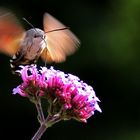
108	59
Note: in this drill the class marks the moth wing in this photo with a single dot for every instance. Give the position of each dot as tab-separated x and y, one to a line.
11	32
59	43
45	55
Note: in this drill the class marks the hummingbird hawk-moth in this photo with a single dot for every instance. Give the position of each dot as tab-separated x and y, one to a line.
25	47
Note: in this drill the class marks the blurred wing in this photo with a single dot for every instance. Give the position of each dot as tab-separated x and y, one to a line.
11	32
45	55
59	43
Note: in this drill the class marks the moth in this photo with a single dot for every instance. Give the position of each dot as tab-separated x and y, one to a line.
52	44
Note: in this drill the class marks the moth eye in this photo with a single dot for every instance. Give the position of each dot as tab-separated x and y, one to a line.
35	36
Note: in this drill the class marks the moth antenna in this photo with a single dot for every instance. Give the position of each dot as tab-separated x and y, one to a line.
65	28
29	23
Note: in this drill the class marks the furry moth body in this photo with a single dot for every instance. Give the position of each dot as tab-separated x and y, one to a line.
25	47
31	47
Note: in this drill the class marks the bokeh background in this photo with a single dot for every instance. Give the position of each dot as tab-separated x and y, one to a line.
108	59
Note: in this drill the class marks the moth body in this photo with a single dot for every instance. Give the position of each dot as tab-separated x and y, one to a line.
30	48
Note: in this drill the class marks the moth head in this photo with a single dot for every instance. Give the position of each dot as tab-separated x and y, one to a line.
35	33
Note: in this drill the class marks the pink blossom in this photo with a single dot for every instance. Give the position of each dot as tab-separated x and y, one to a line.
32	85
66	93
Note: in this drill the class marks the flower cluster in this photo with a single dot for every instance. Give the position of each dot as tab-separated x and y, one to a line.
66	93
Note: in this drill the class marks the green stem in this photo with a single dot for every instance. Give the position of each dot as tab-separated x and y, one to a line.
40	111
40	132
50	120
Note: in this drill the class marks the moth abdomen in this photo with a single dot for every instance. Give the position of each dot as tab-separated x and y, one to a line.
20	59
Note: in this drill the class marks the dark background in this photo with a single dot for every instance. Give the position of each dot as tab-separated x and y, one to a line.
109	60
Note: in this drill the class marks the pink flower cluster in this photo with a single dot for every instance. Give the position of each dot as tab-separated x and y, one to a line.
66	93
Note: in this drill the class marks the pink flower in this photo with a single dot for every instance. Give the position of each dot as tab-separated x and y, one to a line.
66	93
33	83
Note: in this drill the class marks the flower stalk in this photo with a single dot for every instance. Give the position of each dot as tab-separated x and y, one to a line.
68	96
40	132
50	120
40	112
